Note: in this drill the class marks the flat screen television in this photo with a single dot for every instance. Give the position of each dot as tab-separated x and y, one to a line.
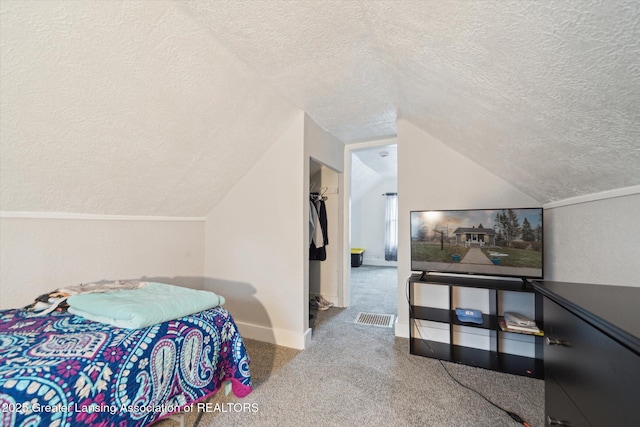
492	242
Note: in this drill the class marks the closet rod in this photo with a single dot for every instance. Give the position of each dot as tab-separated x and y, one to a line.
327	190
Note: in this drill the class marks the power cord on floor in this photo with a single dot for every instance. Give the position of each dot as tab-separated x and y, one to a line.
511	414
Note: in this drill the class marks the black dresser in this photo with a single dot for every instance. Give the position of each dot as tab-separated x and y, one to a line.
591	354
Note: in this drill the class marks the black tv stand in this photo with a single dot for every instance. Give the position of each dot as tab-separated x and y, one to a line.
495	357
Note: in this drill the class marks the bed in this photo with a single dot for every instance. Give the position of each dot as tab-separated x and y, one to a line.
61	369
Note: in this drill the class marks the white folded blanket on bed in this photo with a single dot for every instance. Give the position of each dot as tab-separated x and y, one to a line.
142	307
89	288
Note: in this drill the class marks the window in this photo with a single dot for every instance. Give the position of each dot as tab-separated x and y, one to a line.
391	228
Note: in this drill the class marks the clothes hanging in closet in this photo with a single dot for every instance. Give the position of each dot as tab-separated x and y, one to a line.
315	231
318	237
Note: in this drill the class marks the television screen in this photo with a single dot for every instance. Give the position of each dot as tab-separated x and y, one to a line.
494	242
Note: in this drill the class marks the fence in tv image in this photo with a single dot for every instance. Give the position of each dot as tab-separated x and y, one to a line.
503	242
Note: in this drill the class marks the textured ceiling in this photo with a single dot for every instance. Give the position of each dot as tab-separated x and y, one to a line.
125	107
546	94
159	107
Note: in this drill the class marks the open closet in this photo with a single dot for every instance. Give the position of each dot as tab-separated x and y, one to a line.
324	237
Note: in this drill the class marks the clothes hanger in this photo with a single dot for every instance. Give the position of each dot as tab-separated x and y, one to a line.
324	190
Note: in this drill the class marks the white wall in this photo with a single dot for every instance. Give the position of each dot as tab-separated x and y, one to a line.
323	147
257	241
433	176
368	222
254	253
38	255
594	239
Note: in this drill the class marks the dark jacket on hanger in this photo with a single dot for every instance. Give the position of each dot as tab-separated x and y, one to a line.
320	253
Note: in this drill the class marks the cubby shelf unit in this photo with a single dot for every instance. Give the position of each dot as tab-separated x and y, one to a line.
494	358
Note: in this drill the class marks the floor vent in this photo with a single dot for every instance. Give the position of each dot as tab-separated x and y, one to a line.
373	319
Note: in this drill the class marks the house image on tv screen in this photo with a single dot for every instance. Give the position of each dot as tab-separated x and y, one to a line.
478	236
502	242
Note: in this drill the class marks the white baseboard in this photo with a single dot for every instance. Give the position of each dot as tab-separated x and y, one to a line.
275	336
307	337
379	263
402	329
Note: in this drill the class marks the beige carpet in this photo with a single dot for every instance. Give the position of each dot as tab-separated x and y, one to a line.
354	375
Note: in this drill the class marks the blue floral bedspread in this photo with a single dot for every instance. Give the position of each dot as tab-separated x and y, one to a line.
64	370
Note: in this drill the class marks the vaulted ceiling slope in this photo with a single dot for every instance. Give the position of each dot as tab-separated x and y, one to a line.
125	107
370	167
159	107
545	94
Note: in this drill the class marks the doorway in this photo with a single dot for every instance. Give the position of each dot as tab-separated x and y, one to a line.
373	176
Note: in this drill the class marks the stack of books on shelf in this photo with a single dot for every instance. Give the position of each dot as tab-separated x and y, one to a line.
513	322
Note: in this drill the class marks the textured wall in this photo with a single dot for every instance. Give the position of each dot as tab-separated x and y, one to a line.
594	242
119	107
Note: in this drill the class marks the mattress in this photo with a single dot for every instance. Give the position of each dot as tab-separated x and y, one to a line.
64	370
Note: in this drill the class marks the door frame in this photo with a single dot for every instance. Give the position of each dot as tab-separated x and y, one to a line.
345	294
